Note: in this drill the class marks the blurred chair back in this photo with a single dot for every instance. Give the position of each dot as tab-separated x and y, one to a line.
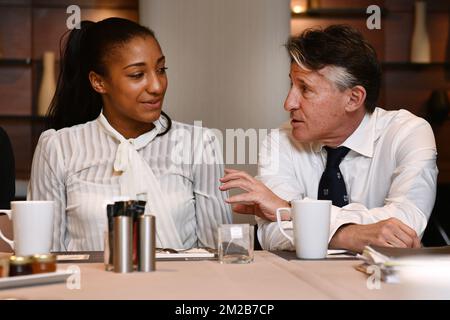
437	232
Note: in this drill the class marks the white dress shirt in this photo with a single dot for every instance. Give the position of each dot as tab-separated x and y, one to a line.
390	171
87	166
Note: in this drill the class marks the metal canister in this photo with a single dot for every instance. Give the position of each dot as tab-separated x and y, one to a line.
147	243
128	208
123	244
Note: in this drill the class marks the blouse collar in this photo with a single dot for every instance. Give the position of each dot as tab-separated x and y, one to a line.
139	142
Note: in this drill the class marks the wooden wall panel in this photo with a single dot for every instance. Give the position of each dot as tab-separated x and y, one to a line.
128	4
15	90
438	32
336	4
398	44
122	4
408	5
349	3
411	89
49	24
15	32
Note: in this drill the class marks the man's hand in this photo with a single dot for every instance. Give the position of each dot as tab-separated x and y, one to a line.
258	200
386	233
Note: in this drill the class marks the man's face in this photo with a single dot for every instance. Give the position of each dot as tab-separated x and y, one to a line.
316	105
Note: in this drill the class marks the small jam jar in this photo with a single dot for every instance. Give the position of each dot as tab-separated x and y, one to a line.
20	266
4	267
44	263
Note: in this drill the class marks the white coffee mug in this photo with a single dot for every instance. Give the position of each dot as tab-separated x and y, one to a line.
311	226
32	227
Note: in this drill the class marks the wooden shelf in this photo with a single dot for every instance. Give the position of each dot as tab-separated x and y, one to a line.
24	118
335	13
91	4
15	62
405	65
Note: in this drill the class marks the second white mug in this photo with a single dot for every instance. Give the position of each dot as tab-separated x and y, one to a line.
311	226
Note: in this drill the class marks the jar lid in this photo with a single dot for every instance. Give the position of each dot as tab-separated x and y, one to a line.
20	260
44	258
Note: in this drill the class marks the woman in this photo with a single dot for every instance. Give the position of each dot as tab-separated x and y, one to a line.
110	138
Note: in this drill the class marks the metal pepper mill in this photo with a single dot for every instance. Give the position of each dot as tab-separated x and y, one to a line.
147	243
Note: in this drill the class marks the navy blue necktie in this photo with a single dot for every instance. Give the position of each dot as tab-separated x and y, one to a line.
332	185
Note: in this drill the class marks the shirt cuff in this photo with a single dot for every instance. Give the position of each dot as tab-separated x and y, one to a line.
350	214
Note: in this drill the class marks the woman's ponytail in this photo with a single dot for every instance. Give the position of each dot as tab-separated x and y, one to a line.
75	101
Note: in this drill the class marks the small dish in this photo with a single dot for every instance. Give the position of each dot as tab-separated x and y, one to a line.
34	279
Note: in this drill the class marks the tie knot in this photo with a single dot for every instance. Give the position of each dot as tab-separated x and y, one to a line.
335	156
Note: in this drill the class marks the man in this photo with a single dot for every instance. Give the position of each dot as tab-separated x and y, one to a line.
378	167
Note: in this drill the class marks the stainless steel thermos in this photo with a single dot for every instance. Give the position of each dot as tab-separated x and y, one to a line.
147	243
123	244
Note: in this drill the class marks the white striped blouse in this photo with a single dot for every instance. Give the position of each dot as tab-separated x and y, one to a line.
75	168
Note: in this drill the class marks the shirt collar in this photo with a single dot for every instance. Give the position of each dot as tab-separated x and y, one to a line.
361	140
138	142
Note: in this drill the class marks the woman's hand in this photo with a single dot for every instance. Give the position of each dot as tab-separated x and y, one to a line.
258	200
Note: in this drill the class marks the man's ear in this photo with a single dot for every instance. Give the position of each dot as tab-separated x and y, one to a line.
357	98
97	82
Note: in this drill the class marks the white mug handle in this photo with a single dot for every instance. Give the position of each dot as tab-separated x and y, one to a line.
10	242
279	210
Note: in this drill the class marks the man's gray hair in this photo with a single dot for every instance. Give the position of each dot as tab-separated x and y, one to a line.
340	76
